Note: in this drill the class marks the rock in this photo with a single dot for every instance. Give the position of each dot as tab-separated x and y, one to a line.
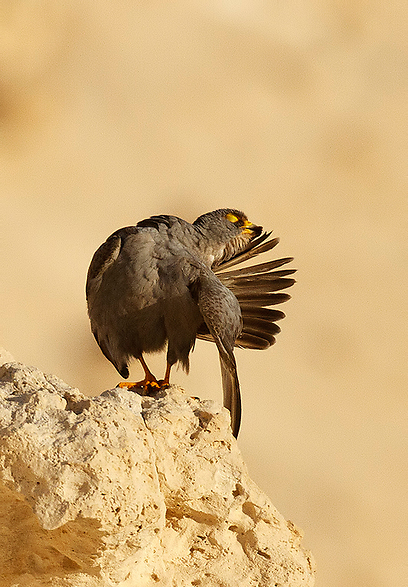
131	491
5	356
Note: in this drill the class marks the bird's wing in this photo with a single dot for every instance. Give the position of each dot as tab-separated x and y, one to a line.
253	248
222	316
256	287
104	258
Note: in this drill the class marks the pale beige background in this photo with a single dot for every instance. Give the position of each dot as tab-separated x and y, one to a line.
295	112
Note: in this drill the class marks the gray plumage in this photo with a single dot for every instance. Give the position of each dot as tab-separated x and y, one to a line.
164	281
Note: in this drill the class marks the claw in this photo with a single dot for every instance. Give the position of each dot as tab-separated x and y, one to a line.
149	385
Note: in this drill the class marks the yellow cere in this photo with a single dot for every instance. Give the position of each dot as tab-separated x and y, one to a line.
247	227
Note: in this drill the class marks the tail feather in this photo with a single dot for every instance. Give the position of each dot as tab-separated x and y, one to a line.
231	390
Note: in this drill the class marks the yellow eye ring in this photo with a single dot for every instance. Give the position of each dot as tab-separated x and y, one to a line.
232	217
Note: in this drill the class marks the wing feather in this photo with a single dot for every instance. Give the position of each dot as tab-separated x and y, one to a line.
256	287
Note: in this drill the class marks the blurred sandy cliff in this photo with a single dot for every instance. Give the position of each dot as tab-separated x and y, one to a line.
295	113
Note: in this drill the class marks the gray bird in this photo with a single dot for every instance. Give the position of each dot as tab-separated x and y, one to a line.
164	281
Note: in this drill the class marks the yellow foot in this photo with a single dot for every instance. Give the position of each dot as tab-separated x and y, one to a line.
163	384
150	386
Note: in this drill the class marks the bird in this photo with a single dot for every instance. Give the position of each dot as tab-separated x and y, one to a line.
165	282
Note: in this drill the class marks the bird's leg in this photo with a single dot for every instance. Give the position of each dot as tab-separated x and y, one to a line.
166	381
149	383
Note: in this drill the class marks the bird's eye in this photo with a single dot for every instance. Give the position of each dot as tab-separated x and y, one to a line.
232	217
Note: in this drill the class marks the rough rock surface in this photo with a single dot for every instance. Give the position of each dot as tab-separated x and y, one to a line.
128	490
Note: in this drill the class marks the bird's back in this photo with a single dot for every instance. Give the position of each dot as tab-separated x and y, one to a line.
138	295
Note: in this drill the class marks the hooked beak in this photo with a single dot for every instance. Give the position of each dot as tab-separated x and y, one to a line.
252	229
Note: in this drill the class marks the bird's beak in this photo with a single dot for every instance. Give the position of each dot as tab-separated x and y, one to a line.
252	229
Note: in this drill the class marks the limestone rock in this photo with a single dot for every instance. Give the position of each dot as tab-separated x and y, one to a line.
124	490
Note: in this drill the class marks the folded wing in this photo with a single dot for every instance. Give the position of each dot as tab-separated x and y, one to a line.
222	317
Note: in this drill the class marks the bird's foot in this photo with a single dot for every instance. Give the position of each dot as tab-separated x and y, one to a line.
165	382
149	385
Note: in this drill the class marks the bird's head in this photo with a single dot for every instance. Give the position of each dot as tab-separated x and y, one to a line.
227	232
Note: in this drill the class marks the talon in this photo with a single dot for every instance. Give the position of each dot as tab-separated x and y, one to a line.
128	384
150	386
153	384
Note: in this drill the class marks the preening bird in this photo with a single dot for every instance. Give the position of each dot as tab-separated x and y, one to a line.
164	281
